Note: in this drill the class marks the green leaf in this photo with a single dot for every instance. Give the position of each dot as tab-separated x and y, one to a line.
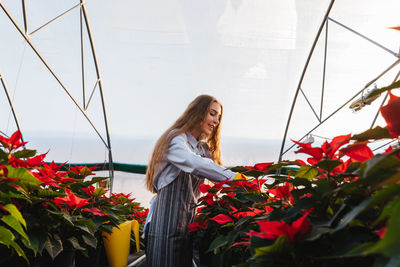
13	193
302	204
220	241
93	181
12	209
253	197
279	246
90	240
307	172
390	243
14	224
53	246
75	243
323	187
6	236
68	217
37	240
19	251
99	191
23	175
375	133
300	181
381	167
316	233
385	194
328	164
351	215
48	193
254	173
3	157
239	169
383	89
387	210
27	153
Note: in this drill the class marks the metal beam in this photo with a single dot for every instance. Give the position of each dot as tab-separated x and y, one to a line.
348	101
11	105
366	38
51	71
302	76
51	21
101	94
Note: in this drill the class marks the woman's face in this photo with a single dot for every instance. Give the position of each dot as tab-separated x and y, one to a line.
211	119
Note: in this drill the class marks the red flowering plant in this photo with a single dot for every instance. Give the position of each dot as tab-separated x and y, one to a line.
224	215
341	206
47	208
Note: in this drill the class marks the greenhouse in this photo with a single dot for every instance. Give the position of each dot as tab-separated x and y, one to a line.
294	160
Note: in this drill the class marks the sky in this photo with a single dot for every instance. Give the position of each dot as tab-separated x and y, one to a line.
156	56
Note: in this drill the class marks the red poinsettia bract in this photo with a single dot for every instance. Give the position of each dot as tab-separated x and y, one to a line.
274	229
327	150
252	212
390	113
221	219
13	142
78	169
29	163
71	200
197	225
283	192
95	211
358	152
260	166
49	174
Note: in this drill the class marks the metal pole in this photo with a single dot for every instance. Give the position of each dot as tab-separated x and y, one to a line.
348	101
111	169
366	38
53	20
324	70
82	61
51	71
24	14
11	105
302	77
305	97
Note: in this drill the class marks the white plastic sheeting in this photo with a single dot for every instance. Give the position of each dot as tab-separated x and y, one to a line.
155	56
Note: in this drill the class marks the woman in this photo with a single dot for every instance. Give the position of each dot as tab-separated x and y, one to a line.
185	154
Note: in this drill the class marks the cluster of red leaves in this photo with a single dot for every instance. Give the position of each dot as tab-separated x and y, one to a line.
262	167
268	229
34	162
71	201
331	151
283	192
54	179
50	174
13	142
274	229
390	113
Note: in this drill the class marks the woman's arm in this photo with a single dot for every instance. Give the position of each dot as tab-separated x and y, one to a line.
183	158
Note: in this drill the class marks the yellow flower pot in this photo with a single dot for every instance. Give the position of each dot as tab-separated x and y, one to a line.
117	244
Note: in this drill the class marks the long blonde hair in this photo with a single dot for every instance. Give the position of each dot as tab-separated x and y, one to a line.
194	114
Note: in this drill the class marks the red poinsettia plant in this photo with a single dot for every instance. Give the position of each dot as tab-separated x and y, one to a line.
341	206
47	208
